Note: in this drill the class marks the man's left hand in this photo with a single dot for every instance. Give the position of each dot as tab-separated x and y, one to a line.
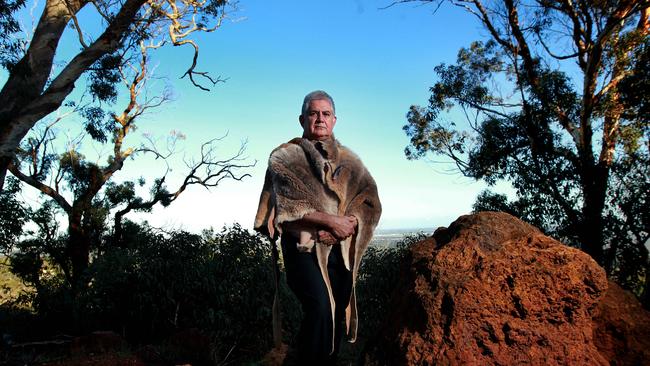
326	238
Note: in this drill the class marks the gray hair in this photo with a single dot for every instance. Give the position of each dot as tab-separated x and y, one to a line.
317	95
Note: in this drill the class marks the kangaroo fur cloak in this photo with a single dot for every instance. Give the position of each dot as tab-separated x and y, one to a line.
305	176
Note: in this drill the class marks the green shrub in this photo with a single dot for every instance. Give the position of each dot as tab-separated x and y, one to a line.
376	282
220	283
161	288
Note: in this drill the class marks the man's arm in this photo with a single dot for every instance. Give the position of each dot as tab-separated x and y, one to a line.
340	227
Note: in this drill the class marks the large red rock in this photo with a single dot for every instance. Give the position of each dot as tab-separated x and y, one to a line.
622	328
493	290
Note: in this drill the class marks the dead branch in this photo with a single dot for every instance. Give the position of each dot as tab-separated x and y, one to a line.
77	27
44	188
207	172
182	25
540	39
437	6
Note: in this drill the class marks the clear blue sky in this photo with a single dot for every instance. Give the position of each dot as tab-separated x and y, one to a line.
375	63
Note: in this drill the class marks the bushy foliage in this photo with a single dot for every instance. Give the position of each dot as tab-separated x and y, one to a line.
10	46
13	215
160	283
156	285
378	276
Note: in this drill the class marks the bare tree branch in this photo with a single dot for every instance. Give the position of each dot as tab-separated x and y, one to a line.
179	30
49	191
208	172
77	27
551	53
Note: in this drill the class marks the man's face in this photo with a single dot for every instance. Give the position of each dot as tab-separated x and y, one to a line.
318	121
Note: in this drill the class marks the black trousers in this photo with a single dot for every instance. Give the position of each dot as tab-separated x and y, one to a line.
305	280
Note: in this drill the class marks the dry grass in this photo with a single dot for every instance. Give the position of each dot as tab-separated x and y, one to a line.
10	285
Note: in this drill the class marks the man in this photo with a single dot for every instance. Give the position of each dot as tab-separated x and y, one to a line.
322	202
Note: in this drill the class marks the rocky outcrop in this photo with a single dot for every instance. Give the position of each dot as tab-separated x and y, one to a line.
622	328
493	290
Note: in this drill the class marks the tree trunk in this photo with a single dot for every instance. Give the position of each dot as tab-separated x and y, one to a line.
645	256
23	102
79	251
591	237
28	78
4	166
593	225
118	231
610	256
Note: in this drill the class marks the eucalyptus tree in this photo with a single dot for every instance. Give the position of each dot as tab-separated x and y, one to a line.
552	102
83	189
39	80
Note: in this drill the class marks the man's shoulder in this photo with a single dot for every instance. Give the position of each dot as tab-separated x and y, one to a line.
298	144
287	145
345	153
288	151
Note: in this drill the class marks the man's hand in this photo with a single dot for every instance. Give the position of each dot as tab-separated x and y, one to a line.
325	237
342	227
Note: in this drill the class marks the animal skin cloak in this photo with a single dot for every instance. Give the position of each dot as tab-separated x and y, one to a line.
305	176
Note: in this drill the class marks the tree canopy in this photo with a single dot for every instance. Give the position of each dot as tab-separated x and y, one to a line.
551	103
36	86
81	189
